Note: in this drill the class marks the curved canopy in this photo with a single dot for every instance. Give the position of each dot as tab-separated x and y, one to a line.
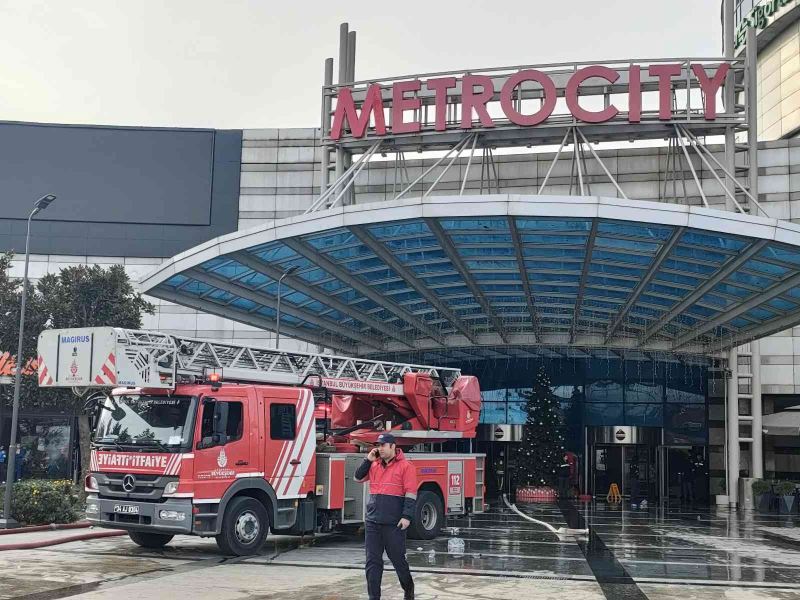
507	271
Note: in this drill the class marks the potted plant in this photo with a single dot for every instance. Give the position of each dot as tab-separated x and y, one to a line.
762	491
785	492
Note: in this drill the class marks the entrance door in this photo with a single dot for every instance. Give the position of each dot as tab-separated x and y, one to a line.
607	469
639	471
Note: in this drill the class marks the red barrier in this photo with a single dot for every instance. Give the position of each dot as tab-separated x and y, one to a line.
537	493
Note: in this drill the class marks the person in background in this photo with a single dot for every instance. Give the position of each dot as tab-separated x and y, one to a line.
634	480
21	454
3	459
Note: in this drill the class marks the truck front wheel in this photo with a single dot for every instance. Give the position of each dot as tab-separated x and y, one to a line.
244	527
150	540
428	517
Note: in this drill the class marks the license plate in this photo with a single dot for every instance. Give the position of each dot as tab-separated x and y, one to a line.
126	509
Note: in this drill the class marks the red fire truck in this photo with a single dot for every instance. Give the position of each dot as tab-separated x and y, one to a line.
214	439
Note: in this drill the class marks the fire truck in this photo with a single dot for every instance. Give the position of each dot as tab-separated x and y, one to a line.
217	439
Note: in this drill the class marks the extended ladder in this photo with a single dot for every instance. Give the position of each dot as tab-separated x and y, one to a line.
106	356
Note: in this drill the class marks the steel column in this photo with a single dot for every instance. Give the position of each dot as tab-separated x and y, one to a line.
732	428
757	411
729	97
341	80
752	110
325	158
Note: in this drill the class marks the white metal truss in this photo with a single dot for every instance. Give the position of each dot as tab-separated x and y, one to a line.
177	357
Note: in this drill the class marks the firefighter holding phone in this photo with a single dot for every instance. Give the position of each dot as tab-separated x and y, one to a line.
393	496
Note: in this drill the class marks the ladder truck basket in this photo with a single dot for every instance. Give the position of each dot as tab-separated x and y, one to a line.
103	357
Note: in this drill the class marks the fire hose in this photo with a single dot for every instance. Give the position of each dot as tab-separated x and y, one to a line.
561	531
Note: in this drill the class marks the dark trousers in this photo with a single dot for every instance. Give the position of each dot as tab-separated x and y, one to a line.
563	487
687	489
392	539
634	491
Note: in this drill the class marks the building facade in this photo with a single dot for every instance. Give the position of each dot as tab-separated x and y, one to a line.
183	189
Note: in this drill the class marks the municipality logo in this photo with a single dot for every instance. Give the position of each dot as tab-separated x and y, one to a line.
222	459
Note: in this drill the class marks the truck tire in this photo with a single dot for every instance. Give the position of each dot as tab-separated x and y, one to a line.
428	517
244	527
150	540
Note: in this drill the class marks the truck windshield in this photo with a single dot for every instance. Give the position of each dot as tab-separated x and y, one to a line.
161	422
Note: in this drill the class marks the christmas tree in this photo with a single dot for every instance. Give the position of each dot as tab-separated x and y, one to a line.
542	448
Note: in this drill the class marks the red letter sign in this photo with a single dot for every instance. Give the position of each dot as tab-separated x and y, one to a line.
635	93
440	86
346	111
400	104
710	86
571	94
470	100
548	98
664	74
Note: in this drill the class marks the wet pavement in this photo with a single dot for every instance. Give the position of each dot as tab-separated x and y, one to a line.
658	553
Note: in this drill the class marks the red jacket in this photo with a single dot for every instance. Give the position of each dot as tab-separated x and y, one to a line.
392	489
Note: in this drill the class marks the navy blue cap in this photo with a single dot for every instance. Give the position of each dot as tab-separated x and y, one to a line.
385	438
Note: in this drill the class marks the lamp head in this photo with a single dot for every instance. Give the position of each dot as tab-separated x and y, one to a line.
44	202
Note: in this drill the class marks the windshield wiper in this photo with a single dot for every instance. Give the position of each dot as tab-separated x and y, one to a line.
151	442
109	440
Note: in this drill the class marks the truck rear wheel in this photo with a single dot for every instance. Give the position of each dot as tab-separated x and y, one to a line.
150	540
244	527
428	517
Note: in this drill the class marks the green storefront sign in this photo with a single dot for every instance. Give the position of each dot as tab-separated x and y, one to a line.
759	18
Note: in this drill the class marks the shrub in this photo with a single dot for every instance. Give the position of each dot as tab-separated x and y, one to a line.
44	501
761	486
784	488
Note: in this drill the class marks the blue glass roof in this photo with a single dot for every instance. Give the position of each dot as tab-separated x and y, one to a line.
502	280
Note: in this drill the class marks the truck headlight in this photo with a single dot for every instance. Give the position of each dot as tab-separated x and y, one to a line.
171	487
91	507
171	515
91	484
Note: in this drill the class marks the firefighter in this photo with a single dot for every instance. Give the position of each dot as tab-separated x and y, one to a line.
393	496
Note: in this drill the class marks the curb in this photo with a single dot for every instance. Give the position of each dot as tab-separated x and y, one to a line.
64	540
50	527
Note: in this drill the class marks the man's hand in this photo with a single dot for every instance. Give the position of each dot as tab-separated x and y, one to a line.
404	523
373	455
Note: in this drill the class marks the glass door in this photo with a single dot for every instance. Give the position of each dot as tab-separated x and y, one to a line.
607	469
639	473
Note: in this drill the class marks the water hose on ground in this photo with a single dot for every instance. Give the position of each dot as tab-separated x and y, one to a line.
50	527
561	531
64	540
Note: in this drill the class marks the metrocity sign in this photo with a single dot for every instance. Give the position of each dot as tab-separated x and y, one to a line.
382	108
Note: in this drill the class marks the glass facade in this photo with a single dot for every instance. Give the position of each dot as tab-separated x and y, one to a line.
596	391
46	445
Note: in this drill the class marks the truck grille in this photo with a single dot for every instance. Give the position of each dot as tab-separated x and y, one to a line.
137	487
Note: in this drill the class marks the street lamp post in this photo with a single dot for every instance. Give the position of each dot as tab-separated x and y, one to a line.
288	271
7	522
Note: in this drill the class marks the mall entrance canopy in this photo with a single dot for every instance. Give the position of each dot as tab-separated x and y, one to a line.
489	271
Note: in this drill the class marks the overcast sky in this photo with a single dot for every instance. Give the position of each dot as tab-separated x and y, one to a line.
259	63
